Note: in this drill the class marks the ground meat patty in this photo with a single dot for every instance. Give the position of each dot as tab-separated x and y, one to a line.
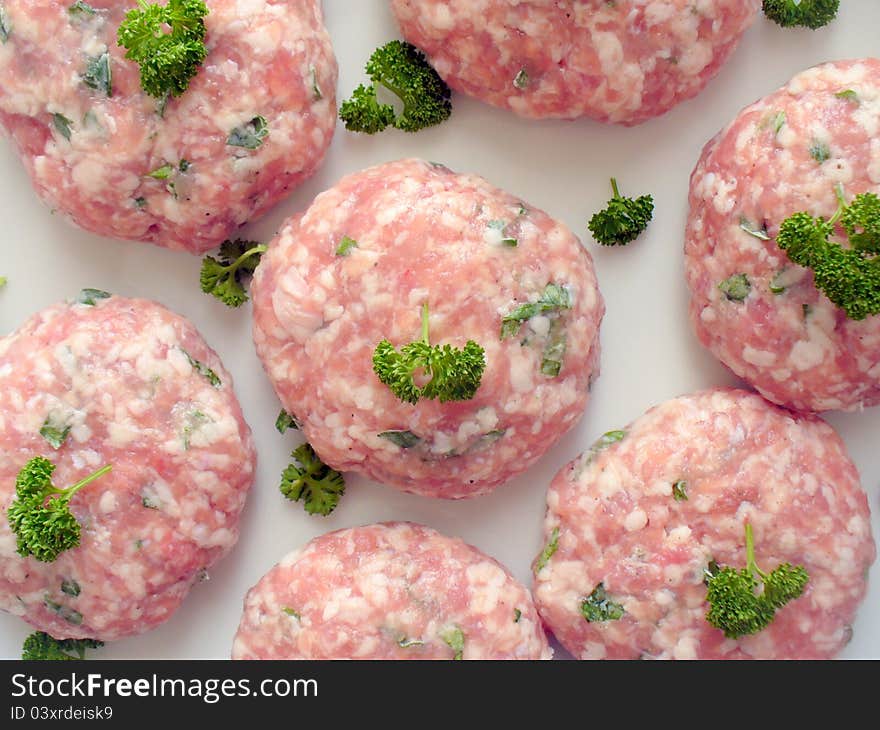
640	516
127	166
134	386
473	254
757	312
623	62
389	591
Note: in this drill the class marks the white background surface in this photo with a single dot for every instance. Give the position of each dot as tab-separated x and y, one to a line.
649	353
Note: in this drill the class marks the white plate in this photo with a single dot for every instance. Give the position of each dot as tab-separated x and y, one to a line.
649	353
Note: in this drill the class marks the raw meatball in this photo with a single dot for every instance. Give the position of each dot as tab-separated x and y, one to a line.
638	518
130	166
389	591
418	234
123	382
623	62
757	312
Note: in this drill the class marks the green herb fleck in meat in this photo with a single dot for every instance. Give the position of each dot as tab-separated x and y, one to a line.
454	637
249	135
554	350
72	616
5	26
554	298
778	122
345	246
548	552
598	607
203	370
162	173
679	491
403	439
70	587
606	440
63	125
317	94
506	240
849	95
98	75
194	421
736	288
820	152
54	432
760	233
81	10
150	502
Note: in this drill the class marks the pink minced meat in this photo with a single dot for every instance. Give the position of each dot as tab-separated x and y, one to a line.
738	459
473	253
786	153
623	62
389	591
135	386
265	59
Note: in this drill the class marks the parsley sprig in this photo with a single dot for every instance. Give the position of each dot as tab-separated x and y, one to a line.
40	515
452	374
849	277
167	60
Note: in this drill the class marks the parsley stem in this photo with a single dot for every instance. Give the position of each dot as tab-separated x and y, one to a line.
614	188
88	480
751	563
261	249
425	324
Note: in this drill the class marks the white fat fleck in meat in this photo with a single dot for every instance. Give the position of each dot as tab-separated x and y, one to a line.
409	256
744	461
623	62
263	59
786	338
100	364
388	591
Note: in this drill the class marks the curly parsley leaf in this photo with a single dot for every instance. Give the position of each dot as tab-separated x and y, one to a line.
309	479
40	515
623	220
167	42
225	277
735	606
42	647
453	374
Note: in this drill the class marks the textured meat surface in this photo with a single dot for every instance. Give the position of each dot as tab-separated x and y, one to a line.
623	62
389	591
743	460
271	59
784	154
425	235
119	375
